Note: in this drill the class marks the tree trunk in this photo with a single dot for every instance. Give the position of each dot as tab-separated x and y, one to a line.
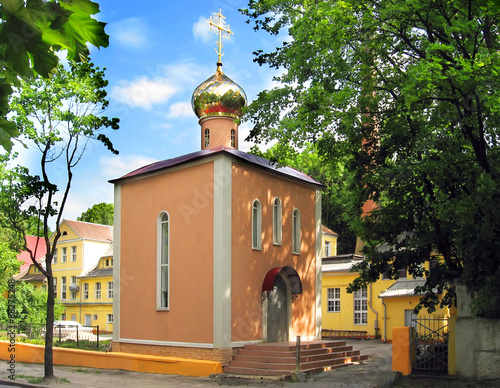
49	330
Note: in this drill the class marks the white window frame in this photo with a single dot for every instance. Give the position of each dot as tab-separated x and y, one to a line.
73	254
63	255
98	290
296	231
256	225
361	307
233	138
110	290
55	287
110	318
333	300
277	221
163	262
54	257
73	293
328	248
207	137
85	290
63	287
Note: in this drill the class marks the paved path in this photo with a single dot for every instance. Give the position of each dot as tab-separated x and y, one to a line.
370	373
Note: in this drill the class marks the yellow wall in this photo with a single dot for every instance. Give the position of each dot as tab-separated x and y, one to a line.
344	320
79	306
333	244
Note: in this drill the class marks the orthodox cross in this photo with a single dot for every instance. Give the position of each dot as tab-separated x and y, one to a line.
220	27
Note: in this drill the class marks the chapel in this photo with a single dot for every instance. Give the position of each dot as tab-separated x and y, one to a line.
218	248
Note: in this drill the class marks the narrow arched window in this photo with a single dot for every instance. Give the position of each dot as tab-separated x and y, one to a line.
256	225
296	231
233	138
207	137
277	221
163	261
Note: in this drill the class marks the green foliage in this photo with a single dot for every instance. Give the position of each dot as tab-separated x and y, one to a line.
31	32
335	198
408	94
101	213
30	305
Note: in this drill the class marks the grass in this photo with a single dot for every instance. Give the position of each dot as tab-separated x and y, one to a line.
71	344
97	371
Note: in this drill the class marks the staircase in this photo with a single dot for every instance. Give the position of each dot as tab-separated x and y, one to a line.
279	358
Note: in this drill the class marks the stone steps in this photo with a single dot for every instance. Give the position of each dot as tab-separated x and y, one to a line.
278	359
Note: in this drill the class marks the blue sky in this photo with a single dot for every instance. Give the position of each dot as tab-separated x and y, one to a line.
159	51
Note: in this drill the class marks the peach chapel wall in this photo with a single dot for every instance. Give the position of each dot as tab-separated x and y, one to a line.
186	194
249	267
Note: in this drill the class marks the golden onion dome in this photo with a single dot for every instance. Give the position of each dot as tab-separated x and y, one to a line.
218	96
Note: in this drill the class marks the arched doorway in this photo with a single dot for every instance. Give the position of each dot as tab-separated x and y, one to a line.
278	287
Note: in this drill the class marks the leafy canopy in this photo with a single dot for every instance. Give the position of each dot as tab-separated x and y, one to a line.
101	213
408	92
31	32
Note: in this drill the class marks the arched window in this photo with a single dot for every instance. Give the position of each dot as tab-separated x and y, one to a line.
256	225
162	270
233	138
296	231
207	137
277	217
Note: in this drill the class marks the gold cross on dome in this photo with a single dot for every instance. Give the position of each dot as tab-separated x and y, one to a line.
220	27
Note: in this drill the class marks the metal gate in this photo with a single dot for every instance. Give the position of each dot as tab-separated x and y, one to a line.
431	344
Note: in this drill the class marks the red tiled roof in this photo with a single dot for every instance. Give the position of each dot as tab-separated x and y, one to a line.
41	250
327	230
88	231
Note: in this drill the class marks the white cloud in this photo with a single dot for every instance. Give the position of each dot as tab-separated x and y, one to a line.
131	32
180	110
143	92
201	30
157	87
113	167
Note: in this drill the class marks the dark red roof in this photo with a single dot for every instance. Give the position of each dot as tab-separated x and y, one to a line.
41	250
256	161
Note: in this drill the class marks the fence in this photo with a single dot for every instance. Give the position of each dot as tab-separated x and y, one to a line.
64	335
431	344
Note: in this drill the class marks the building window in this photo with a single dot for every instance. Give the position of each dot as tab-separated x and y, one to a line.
401	274
73	254
162	274
55	287
296	231
328	249
98	290
333	300
233	138
207	137
360	307
85	290
54	258
256	225
63	287
63	317
277	221
72	285
94	317
110	290
110	318
63	255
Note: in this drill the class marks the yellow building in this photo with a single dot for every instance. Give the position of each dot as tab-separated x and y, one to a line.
83	273
370	312
33	275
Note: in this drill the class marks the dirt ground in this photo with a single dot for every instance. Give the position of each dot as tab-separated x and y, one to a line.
418	381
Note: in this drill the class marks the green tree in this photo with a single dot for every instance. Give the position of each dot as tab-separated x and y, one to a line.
409	93
59	116
31	32
30	305
101	213
335	197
